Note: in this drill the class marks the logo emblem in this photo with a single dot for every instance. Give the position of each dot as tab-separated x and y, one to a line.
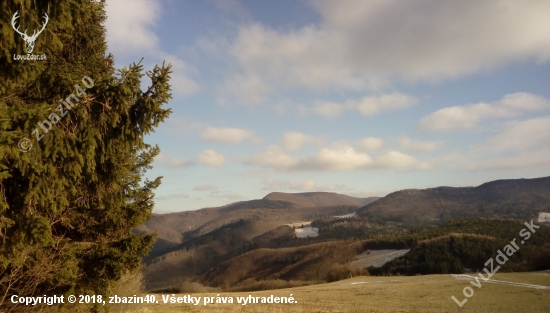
29	40
25	145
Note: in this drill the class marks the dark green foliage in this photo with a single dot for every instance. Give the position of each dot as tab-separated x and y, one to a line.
68	206
354	228
465	244
542	261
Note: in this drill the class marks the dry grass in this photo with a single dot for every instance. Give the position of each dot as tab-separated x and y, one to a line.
130	284
430	293
252	285
456	235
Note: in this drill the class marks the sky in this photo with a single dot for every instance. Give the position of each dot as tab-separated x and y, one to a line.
359	97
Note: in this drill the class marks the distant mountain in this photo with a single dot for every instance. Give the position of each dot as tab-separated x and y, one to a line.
247	244
514	198
273	210
313	199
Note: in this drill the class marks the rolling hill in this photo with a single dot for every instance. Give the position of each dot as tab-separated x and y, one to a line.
273	210
313	199
514	198
246	244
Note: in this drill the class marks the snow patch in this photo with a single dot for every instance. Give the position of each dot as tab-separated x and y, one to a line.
544	217
346	216
502	282
306	232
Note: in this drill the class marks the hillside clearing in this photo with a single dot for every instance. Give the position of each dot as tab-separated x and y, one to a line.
377	258
307	232
304	229
346	216
544	217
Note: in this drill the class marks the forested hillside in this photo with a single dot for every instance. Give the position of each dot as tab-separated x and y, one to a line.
230	235
465	245
279	260
514	198
276	209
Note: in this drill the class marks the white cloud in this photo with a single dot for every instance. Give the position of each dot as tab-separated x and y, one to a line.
228	135
295	140
308	185
471	115
172	162
211	158
366	106
129	24
373	105
274	157
337	158
370	144
520	136
408	144
400	161
343	158
520	145
360	45
330	109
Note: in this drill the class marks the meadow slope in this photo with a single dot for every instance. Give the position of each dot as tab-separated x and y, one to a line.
430	293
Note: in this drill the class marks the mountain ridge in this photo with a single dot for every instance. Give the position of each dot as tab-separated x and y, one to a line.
319	198
512	198
237	244
174	228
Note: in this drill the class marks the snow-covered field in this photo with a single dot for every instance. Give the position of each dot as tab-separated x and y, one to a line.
306	232
544	217
304	229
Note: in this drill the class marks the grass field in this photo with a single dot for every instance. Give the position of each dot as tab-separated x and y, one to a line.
431	293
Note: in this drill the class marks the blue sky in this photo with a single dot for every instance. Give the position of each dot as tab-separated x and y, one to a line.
356	97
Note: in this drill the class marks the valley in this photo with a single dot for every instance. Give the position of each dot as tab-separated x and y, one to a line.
291	240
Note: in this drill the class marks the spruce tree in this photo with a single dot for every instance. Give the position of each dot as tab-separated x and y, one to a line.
68	206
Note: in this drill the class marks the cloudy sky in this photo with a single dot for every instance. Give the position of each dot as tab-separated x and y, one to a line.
356	97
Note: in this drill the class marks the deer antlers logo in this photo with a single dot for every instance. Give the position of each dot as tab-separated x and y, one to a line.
29	40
